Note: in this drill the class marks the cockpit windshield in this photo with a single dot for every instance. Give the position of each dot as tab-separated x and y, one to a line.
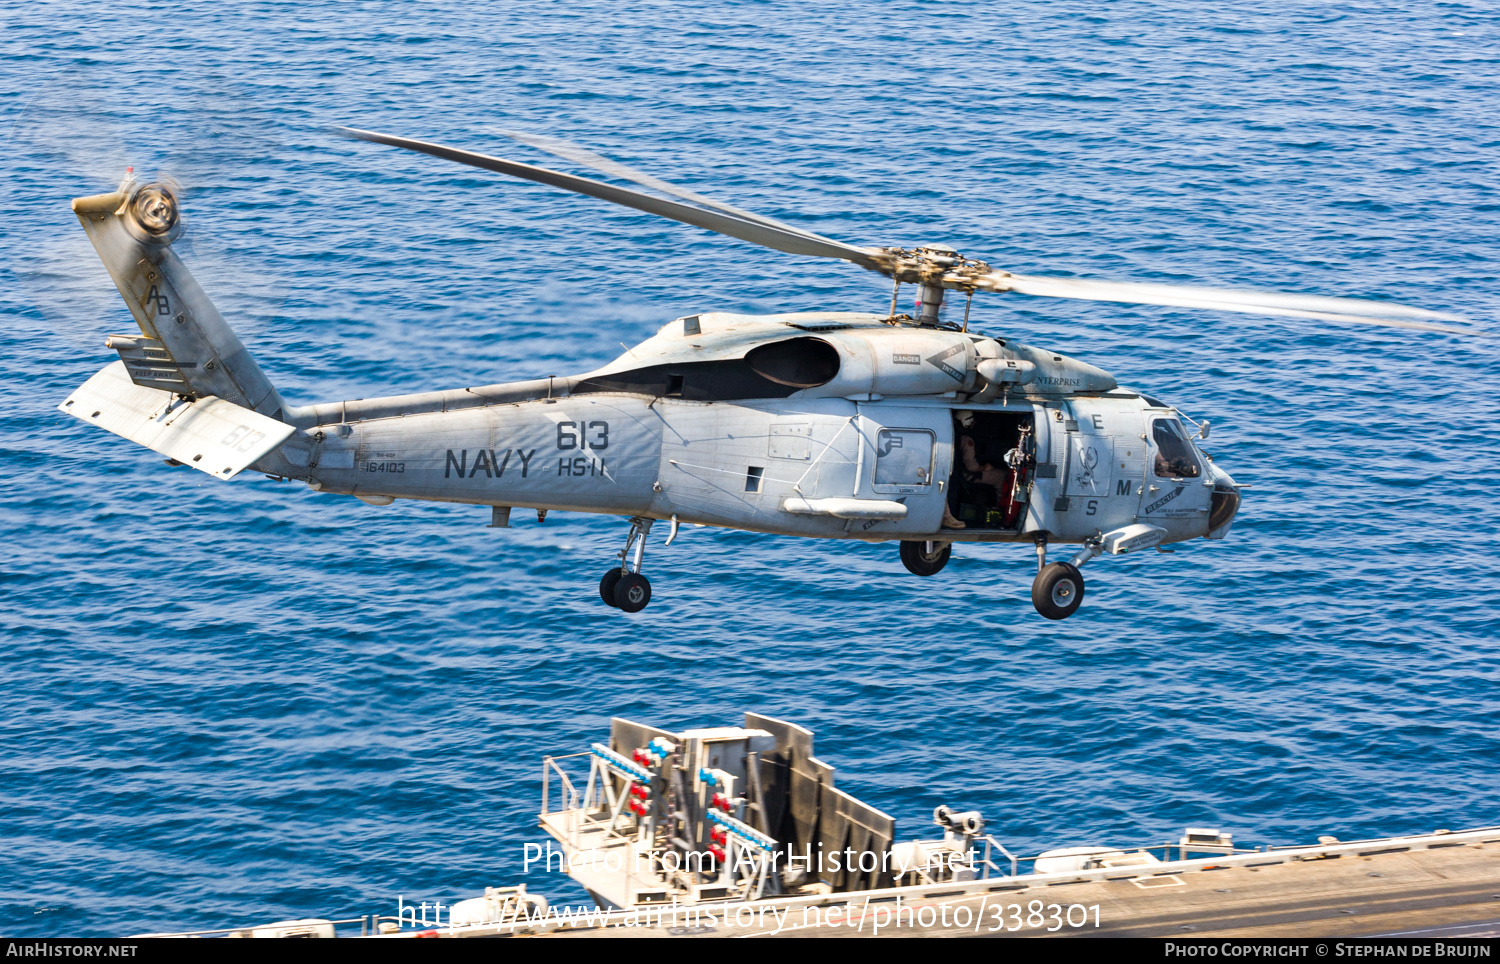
1174	452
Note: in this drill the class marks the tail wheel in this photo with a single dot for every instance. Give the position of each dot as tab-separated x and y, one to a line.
925	558
1057	591
632	592
607	585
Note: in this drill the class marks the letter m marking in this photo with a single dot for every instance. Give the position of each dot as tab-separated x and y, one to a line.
1122	487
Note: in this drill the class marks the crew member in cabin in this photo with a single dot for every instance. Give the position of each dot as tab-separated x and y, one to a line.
979	480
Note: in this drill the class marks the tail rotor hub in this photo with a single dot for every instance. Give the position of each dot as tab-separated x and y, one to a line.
154	208
151	213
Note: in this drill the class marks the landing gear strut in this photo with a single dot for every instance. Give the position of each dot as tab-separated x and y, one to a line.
623	586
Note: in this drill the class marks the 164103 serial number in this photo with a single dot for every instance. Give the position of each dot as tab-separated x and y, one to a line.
385	466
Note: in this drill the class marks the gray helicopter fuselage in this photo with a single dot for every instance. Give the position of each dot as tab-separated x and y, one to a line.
860	440
831	425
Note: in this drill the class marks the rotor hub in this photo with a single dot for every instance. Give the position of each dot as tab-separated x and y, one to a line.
933	265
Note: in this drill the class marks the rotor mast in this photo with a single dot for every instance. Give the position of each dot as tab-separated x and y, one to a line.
934	269
929	295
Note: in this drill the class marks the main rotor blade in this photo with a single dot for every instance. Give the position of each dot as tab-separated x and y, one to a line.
569	151
1348	310
756	232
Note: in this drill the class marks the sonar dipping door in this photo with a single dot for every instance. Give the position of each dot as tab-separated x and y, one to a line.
908	456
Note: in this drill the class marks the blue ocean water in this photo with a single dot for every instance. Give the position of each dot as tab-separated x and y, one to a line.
235	702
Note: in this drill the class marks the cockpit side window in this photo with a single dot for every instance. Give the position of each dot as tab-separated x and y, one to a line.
1174	453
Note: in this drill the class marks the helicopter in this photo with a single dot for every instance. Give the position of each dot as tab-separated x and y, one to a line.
875	426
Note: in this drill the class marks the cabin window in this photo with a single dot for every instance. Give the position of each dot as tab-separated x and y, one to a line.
1174	452
753	478
903	457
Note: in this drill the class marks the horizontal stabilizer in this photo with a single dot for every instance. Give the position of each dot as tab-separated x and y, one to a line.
208	433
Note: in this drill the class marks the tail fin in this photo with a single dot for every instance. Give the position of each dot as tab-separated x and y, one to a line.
185	346
198	397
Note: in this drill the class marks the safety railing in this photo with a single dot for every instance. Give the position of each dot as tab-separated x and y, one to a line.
589	813
991	845
570	796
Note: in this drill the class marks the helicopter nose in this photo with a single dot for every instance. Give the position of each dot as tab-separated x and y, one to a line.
1224	505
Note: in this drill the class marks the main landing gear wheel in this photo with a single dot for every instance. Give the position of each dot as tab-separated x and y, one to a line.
607	585
623	586
632	592
1058	590
925	558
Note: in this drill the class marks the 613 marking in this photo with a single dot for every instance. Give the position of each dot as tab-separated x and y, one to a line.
578	435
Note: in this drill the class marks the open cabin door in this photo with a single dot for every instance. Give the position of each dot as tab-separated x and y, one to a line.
907	456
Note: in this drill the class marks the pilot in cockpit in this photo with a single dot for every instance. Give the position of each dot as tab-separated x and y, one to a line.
1174	451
